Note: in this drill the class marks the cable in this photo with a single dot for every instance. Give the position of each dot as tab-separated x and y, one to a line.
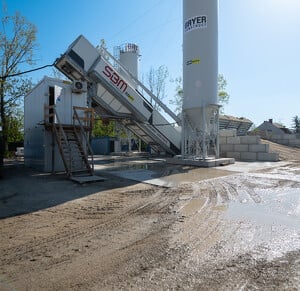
25	72
135	20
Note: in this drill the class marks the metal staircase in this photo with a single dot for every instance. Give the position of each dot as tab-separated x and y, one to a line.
72	140
73	150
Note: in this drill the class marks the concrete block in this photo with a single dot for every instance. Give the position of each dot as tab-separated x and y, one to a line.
233	140
276	136
200	163
282	141
259	148
227	132
250	139
222	140
241	148
268	157
248	156
289	136
295	143
235	155
226	148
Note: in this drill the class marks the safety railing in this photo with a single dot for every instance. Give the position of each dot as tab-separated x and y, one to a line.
143	90
51	118
85	123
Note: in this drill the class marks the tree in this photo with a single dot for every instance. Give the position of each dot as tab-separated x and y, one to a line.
17	44
222	93
103	127
296	124
156	79
178	98
15	127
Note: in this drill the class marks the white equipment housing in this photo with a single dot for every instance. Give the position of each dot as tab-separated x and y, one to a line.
200	79
114	94
40	151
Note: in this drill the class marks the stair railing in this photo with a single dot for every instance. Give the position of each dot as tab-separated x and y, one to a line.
50	112
88	121
147	94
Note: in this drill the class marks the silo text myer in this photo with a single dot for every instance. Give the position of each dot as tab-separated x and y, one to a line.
195	22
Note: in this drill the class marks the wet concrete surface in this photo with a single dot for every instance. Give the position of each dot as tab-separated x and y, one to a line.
231	228
157	172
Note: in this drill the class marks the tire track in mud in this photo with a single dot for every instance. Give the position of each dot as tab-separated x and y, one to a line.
209	254
102	227
207	221
202	226
109	237
158	238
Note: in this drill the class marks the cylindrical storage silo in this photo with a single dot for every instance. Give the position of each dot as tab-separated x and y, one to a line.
129	56
200	57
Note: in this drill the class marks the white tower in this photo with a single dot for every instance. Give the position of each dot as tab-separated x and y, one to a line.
200	79
129	57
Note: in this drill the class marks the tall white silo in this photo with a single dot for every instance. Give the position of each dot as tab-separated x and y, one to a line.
200	78
129	58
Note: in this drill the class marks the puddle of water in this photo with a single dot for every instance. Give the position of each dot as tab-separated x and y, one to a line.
276	208
157	172
127	165
195	175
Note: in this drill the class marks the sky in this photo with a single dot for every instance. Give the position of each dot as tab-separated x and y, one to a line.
259	44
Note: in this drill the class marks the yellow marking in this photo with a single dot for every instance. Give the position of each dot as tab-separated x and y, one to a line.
196	61
130	97
193	62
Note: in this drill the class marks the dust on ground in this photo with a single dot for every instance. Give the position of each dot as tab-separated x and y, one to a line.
226	231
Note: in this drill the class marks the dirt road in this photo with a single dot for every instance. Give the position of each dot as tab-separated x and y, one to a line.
239	231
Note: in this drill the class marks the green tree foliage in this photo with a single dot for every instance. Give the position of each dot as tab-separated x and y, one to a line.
222	93
104	128
178	98
15	127
17	44
296	124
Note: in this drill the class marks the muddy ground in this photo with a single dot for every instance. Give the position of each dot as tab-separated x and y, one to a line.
232	228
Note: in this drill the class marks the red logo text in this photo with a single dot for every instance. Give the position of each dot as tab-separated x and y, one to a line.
115	78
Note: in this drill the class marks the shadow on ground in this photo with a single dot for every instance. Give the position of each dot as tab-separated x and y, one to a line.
25	190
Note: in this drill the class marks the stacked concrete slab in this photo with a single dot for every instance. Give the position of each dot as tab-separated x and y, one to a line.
292	140
244	148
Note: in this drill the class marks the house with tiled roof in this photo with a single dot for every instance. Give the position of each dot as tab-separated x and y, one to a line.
269	128
277	133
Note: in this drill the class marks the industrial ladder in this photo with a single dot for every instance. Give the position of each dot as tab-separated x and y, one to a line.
72	140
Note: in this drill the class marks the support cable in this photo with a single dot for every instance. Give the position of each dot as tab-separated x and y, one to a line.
25	72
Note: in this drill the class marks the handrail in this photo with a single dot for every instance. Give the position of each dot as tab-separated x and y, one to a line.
76	117
88	118
107	55
61	131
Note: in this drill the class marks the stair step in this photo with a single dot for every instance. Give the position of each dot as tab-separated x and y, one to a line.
73	151
81	172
